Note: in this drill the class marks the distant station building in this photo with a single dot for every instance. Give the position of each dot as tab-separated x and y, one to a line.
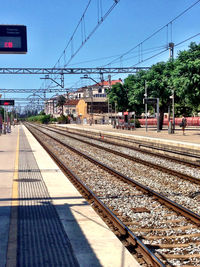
85	103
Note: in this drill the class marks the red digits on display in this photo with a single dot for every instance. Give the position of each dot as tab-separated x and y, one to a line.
8	44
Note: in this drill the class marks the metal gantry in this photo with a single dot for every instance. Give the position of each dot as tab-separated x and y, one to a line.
59	71
63	71
50	90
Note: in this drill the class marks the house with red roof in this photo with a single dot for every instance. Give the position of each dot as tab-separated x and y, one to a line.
86	102
70	107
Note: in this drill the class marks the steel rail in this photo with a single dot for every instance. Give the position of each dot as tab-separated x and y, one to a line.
135	159
195	218
147	145
124	231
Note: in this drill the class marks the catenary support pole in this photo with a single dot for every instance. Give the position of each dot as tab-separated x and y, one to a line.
158	116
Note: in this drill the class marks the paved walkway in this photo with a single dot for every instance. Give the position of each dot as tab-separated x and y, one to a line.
44	221
8	144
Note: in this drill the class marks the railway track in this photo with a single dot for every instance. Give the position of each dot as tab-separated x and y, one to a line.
159	231
134	158
186	193
189	158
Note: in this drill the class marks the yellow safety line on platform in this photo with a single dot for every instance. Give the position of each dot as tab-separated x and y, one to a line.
12	237
15	201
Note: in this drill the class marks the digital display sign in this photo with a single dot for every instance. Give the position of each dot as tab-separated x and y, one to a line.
7	102
13	39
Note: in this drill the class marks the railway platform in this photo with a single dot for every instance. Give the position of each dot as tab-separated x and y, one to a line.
44	221
188	143
192	135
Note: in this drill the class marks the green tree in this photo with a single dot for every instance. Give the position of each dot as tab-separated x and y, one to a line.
119	94
136	85
42	112
159	81
60	102
186	78
2	112
181	75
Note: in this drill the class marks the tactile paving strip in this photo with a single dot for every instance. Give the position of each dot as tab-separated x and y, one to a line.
42	240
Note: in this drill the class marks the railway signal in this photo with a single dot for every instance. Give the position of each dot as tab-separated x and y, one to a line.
7	102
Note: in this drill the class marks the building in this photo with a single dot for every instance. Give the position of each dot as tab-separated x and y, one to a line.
51	108
96	97
70	107
79	93
86	103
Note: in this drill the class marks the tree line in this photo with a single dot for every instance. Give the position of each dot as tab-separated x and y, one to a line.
181	75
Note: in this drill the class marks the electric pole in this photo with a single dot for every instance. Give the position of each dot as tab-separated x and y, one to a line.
145	96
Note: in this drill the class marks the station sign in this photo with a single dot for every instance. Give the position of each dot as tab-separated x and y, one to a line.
7	102
13	39
150	101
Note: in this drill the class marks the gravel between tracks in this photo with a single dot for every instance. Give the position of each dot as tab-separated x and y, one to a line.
183	192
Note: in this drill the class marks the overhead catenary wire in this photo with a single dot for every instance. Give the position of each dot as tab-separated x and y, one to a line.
142	51
85	37
103	58
163	51
93	31
169	24
73	34
191	37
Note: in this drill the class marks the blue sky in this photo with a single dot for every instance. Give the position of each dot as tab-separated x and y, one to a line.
50	25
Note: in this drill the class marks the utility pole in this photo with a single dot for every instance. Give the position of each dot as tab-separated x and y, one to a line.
158	116
171	56
173	115
145	95
109	109
171	51
91	95
5	117
173	111
115	112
